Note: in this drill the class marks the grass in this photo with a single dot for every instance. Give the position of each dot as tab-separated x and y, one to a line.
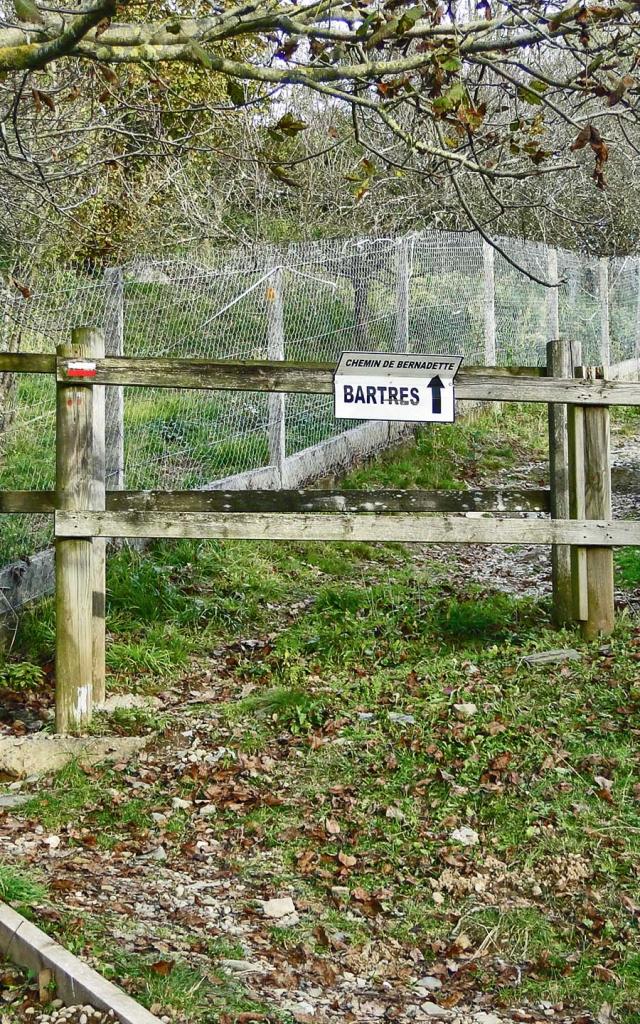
20	888
336	680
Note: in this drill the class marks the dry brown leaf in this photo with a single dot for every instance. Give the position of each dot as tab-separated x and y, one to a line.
162	967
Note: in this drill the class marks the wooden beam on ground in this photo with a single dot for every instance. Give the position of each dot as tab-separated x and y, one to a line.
483	384
417	527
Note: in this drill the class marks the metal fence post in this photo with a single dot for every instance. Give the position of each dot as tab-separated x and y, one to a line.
553	303
488	258
637	343
402	295
114	397
603	290
78	570
277	431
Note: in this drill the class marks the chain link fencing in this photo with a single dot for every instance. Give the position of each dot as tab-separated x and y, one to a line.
421	293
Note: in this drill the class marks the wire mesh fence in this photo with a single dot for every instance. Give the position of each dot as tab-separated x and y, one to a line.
423	293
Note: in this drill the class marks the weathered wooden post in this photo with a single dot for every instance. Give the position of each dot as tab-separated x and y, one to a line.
560	364
276	431
402	295
600	619
576	468
114	396
78	570
95	342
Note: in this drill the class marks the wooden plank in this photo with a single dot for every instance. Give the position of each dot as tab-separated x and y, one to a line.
600	619
27	501
490	499
75	982
418	527
74	639
27	362
488	385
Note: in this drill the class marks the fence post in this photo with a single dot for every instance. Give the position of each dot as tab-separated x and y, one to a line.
75	565
575	432
553	305
276	431
603	291
114	398
637	344
560	364
402	295
95	343
488	257
599	560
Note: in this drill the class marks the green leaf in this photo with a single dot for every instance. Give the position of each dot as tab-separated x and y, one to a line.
538	85
410	17
235	92
529	95
451	64
27	11
200	54
280	173
451	99
368	23
289	125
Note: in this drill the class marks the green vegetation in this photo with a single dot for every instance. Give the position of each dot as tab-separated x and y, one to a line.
20	888
358	707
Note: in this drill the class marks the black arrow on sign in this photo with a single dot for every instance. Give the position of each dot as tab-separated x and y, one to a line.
437	387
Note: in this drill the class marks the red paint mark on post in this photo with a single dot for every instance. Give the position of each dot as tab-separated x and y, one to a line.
81	368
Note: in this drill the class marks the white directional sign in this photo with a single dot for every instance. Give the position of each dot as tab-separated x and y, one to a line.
395	386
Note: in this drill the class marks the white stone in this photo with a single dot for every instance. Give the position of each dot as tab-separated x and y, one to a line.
465	836
433	1010
487	1018
180	805
244	967
465	710
278	907
208	810
429	983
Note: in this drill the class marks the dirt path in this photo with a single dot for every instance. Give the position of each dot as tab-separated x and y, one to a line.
525	570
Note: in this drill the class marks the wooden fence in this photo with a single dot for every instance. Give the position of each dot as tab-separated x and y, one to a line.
580	527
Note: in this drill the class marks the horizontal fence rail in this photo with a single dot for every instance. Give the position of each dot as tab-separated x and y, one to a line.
520	384
490	499
419	527
476	384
